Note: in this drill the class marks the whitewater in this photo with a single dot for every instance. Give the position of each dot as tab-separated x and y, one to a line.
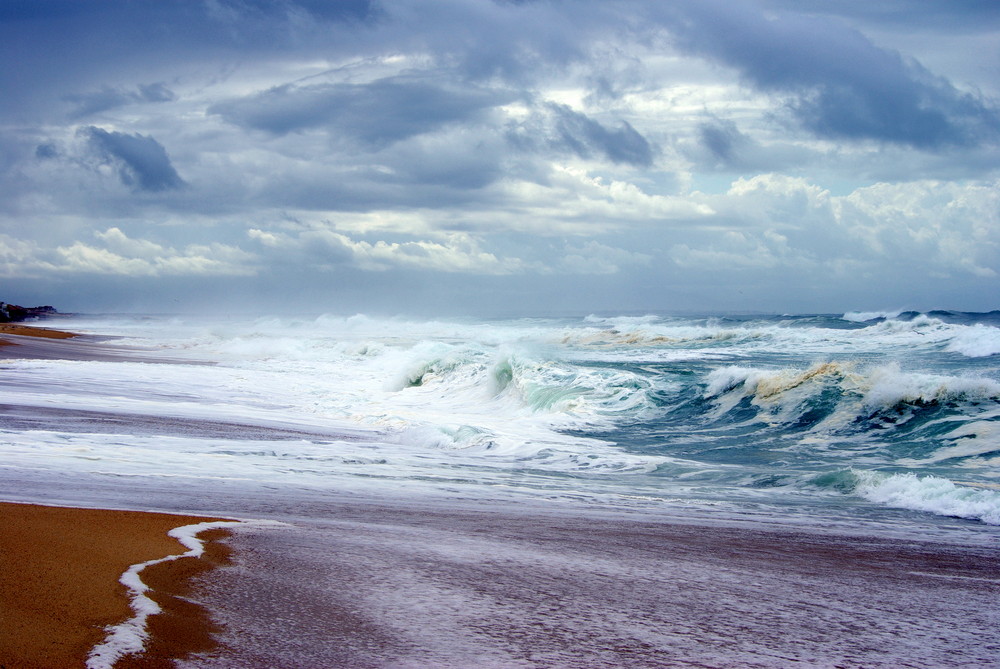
791	415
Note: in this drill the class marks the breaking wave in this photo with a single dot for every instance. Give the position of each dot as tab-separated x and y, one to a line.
856	394
929	494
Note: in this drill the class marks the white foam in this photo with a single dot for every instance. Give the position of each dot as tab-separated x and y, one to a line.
880	386
865	316
130	637
976	341
423	401
969	440
931	494
889	386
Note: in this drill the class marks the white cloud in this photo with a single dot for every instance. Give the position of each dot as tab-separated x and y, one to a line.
595	258
138	258
740	251
119	243
773	220
950	226
326	248
22	258
572	201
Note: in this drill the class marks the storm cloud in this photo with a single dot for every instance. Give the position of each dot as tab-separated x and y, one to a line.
841	85
536	155
377	113
141	161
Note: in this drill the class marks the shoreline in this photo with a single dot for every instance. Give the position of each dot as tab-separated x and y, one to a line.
390	583
27	342
396	584
376	577
61	584
32	331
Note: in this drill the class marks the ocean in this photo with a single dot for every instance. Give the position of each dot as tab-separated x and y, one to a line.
883	427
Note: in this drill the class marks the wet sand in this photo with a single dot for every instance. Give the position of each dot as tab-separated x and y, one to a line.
451	586
32	331
59	586
408	584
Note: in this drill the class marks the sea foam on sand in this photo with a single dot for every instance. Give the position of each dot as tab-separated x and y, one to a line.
130	636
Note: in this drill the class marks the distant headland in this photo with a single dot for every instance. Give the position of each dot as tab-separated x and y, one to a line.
12	313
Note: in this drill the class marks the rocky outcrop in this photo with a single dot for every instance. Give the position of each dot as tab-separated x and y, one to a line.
12	313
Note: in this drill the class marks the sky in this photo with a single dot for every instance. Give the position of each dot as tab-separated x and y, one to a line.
506	157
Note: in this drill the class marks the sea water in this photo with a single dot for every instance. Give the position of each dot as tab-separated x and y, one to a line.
599	491
889	419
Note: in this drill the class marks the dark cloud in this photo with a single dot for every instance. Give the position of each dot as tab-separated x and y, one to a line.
722	139
966	15
46	151
110	98
923	115
155	93
842	85
98	101
142	162
420	180
377	114
52	48
517	44
718	145
586	136
557	127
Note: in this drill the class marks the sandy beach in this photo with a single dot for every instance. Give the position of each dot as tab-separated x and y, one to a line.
60	584
37	343
61	566
431	585
31	331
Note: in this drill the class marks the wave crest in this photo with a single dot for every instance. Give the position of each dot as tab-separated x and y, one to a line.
976	341
844	399
931	494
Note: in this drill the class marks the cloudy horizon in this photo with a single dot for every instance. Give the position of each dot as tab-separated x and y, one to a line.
476	157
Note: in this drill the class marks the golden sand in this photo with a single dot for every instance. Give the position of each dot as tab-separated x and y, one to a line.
59	588
32	331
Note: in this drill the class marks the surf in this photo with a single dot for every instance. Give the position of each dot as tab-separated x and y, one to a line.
717	408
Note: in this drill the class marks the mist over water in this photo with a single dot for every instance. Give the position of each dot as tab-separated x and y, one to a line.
888	418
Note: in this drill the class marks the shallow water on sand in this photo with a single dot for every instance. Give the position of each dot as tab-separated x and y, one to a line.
404	581
417	586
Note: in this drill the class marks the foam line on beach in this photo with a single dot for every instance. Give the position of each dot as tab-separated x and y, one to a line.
955	576
130	637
